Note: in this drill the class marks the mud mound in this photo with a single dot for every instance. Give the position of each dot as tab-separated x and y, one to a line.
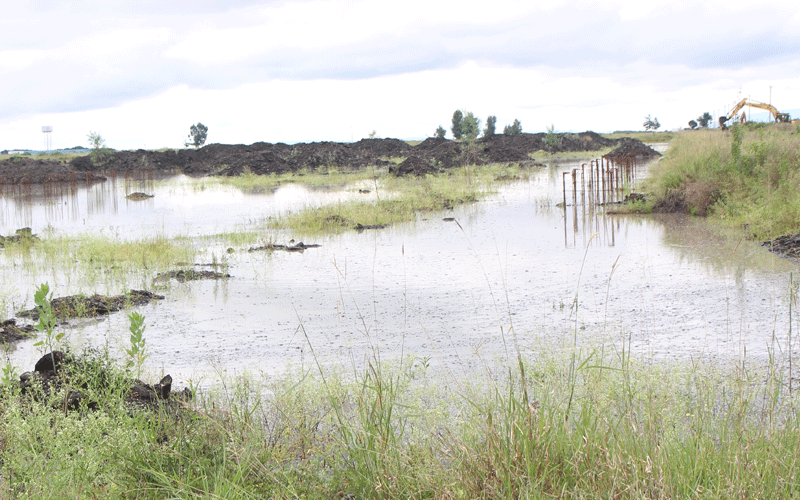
57	372
631	148
80	306
26	170
414	165
787	245
20	235
11	332
672	204
183	276
292	247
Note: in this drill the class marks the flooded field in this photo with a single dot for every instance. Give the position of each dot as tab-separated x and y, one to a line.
458	289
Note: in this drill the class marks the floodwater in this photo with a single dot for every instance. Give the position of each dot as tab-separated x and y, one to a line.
513	271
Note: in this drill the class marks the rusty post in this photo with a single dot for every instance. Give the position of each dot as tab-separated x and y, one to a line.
564	189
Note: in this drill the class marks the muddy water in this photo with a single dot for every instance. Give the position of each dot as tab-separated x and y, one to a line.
512	271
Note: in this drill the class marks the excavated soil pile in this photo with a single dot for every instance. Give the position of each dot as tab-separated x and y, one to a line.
59	374
788	245
430	155
80	306
631	148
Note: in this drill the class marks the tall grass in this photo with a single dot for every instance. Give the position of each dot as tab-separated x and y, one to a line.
748	177
635	429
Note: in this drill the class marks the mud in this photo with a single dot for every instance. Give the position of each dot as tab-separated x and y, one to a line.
183	276
787	245
59	374
631	148
138	196
80	306
292	247
429	156
11	332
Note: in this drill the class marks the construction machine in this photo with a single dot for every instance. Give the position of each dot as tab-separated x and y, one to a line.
779	117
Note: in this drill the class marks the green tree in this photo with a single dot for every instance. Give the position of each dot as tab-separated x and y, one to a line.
705	119
552	139
197	135
470	126
692	124
515	128
458	118
100	153
440	132
491	123
651	124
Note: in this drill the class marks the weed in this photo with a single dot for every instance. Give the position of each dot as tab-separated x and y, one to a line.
47	318
137	353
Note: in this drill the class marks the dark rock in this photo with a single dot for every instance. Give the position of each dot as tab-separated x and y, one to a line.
50	362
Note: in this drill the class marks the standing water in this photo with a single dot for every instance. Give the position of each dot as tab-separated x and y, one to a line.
459	289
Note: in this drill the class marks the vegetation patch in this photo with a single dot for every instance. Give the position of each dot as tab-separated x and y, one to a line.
10	331
185	275
81	306
747	177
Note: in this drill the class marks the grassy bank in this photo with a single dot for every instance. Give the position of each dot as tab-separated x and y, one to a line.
575	425
747	177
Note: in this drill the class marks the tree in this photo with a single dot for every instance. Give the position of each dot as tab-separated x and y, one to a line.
198	134
651	124
705	119
491	122
551	138
692	124
458	118
470	126
440	132
100	152
514	129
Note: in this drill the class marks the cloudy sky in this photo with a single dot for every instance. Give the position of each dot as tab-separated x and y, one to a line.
140	73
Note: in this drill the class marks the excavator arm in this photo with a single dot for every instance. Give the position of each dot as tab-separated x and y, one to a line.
779	117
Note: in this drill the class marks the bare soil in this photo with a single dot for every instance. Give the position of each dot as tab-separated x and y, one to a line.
81	306
788	245
431	155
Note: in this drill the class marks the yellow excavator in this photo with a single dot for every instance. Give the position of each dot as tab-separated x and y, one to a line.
779	117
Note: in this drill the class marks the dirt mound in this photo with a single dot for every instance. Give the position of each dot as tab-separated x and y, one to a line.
183	276
671	204
11	332
59	374
414	165
80	306
631	148
787	245
266	158
27	170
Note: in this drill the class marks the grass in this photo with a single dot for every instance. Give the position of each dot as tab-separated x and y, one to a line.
249	182
746	177
401	199
542	154
610	427
645	137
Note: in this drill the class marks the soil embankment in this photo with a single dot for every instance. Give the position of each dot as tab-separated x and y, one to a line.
431	155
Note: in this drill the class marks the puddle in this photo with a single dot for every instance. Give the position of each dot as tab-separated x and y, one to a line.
512	270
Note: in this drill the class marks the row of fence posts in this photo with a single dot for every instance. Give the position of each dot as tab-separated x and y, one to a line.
600	181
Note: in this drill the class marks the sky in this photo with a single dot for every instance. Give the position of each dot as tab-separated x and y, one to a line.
141	73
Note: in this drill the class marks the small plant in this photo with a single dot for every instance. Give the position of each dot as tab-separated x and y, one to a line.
47	318
137	354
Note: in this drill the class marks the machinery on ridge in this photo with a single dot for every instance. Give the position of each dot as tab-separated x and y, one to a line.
779	117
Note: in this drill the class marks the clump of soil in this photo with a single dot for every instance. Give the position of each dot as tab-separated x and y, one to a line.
81	306
139	196
787	245
292	247
414	165
11	332
183	276
23	234
56	372
671	204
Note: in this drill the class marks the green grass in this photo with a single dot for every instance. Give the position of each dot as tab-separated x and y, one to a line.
401	199
254	183
747	177
542	154
645	137
591	423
